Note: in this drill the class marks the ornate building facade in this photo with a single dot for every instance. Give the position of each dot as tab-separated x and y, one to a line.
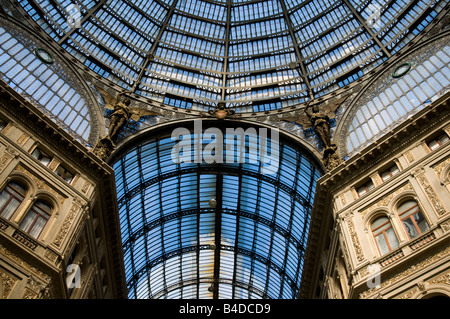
380	227
315	149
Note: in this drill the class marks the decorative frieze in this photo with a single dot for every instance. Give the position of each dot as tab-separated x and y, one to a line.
438	168
442	279
408	273
7	284
410	293
7	156
35	289
385	200
76	206
355	239
41	183
431	194
5	253
23	139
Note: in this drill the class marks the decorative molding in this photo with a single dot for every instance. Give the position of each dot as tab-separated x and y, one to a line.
439	168
406	273
76	206
52	256
391	258
7	156
29	294
86	187
355	239
422	241
35	289
386	200
410	293
24	239
7	285
7	127
423	287
41	184
23	264
23	139
344	249
443	279
409	156
431	194
445	226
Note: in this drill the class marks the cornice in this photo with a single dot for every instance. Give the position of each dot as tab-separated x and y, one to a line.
35	120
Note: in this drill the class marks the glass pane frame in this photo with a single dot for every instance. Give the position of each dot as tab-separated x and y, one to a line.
261	223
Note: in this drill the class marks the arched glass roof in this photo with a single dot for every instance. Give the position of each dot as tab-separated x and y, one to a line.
253	55
45	83
220	230
402	90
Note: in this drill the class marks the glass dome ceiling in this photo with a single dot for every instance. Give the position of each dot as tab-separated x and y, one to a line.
253	55
222	230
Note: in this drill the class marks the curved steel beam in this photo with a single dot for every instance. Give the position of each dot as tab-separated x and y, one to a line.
128	244
219	169
264	260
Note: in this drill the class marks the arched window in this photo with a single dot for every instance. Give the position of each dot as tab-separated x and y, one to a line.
384	235
412	218
10	199
36	218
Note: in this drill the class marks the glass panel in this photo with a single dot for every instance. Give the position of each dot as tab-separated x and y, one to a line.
421	222
28	73
412	217
252	39
405	97
410	228
177	214
10	207
392	238
382	245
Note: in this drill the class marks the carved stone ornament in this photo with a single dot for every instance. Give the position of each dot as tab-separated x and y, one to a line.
331	158
76	206
7	156
443	279
438	168
104	148
7	283
41	184
355	240
406	273
5	253
385	200
431	194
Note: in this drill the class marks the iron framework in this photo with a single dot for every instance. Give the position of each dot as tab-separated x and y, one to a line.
248	243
